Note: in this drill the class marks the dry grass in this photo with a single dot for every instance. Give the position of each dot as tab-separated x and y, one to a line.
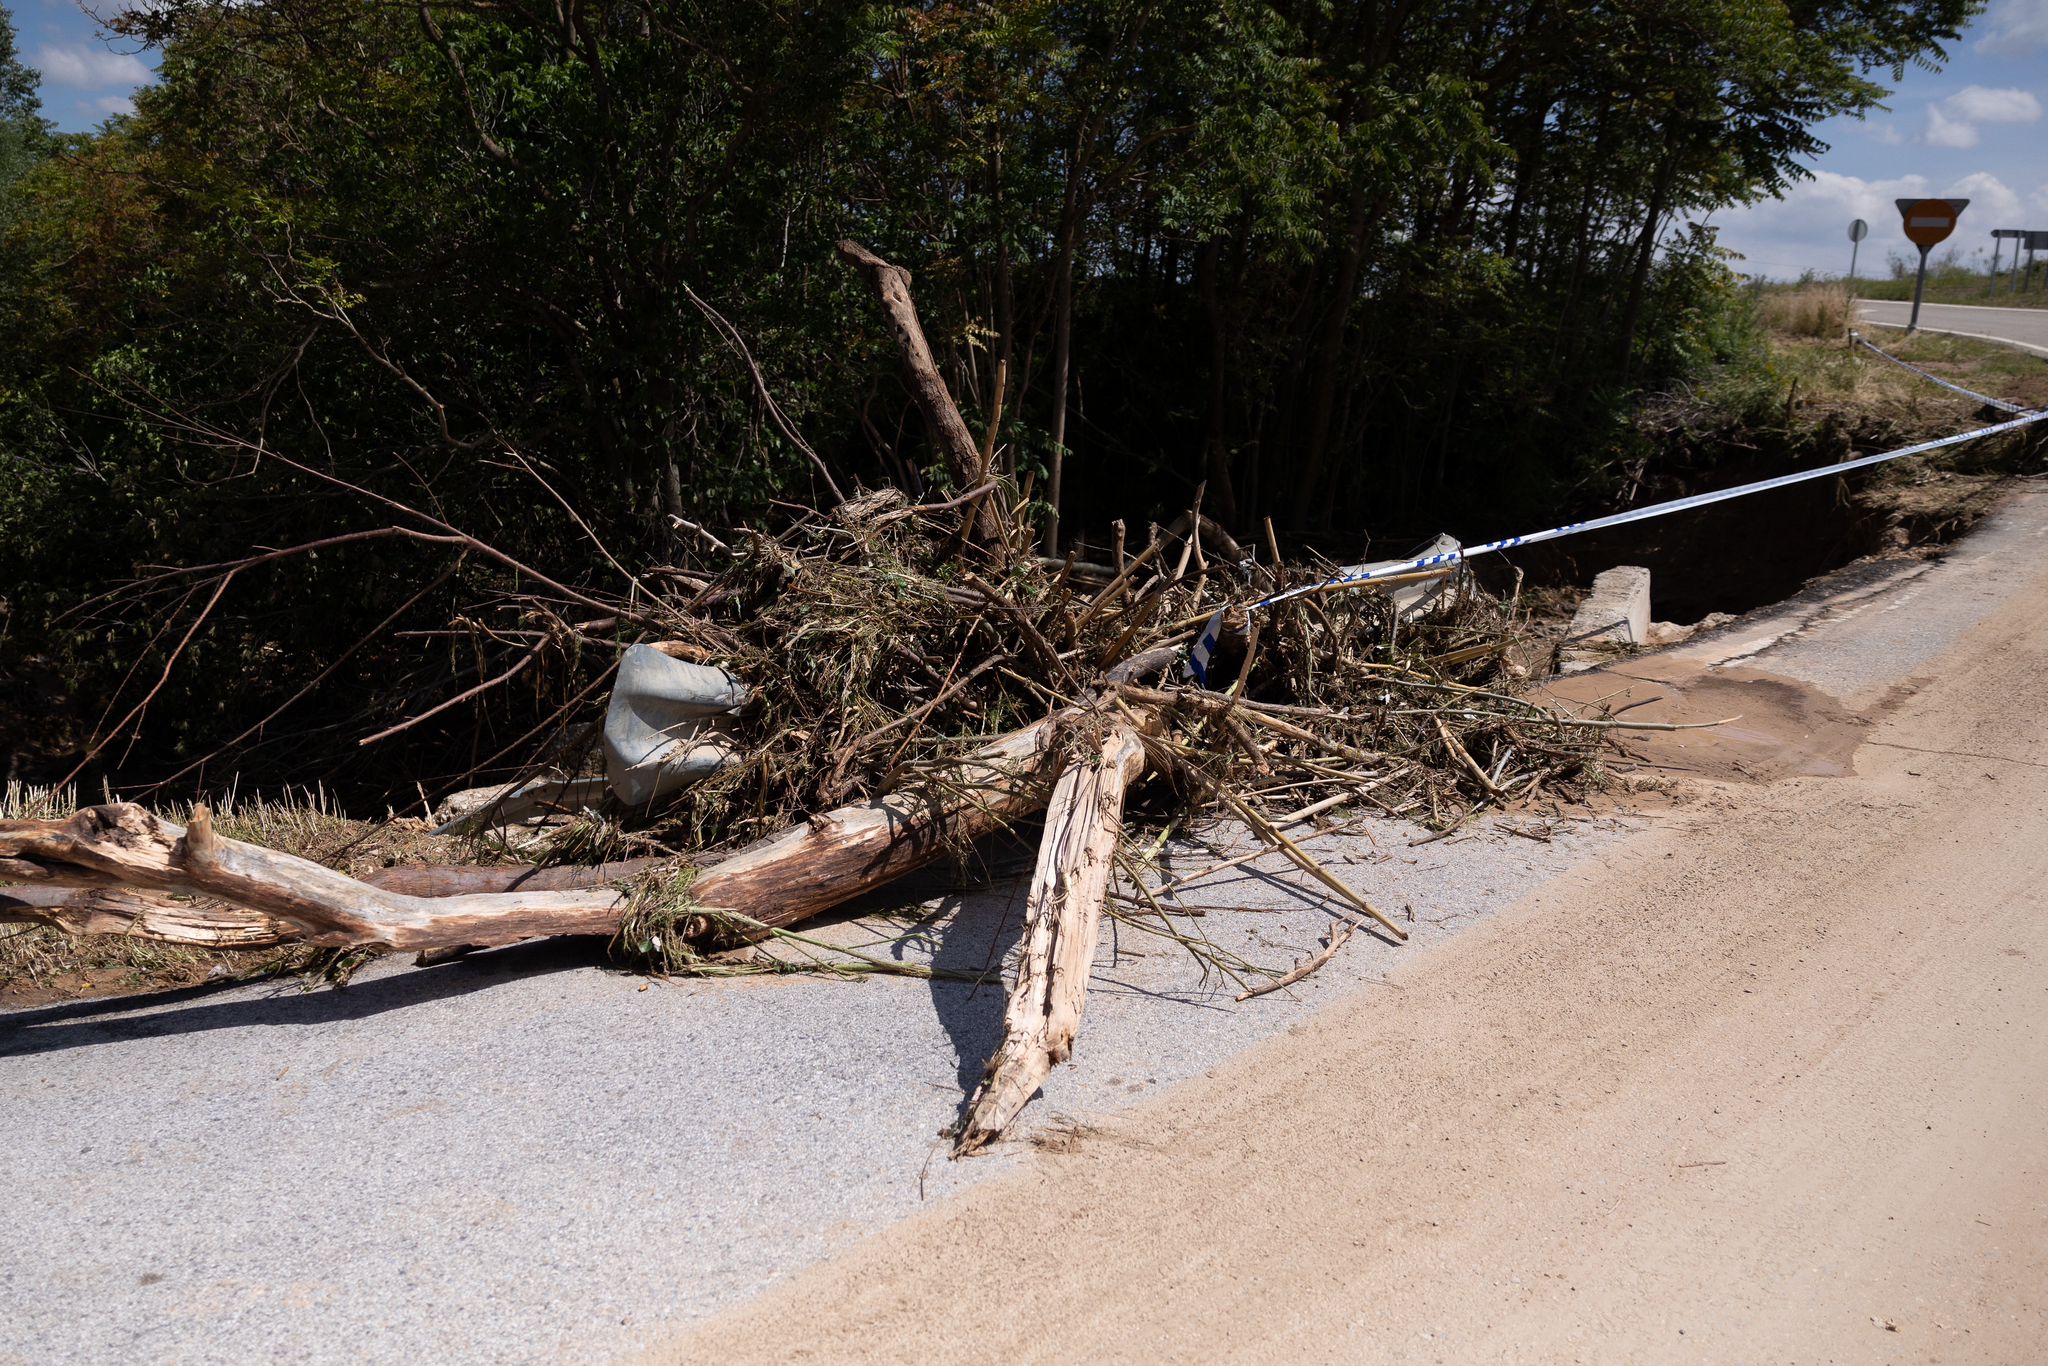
1849	382
1814	310
1850	395
1959	287
1827	397
1825	376
38	962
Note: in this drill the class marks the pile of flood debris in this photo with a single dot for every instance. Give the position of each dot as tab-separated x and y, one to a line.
799	718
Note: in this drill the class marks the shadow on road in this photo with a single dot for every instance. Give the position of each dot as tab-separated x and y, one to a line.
78	1024
983	927
969	915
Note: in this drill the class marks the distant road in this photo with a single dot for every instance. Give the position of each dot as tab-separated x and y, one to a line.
2022	327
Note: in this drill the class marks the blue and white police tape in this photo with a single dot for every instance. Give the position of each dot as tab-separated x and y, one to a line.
1998	403
1204	647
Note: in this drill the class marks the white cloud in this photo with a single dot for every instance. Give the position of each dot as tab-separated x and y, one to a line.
1831	196
1943	131
88	66
1982	104
1953	122
1993	204
1808	228
2012	27
106	106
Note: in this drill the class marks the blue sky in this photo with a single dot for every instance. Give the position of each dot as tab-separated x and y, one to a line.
85	77
1974	129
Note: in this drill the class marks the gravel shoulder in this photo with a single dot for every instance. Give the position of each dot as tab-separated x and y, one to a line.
529	1156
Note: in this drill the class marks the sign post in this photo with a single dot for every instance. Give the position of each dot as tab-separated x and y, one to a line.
2035	241
1928	224
1998	236
1858	230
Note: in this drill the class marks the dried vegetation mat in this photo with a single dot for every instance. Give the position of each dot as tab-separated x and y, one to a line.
1927	502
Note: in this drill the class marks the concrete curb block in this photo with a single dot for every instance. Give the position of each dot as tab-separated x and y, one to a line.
1614	616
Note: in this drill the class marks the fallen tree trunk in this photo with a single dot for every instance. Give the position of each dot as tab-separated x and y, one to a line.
198	921
128	846
1062	924
456	879
778	881
891	284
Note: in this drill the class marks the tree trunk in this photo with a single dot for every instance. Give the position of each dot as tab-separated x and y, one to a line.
783	879
1564	345
942	419
143	915
1215	440
1324	398
1062	355
1645	253
1005	295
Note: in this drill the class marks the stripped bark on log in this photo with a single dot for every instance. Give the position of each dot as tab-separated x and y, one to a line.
455	879
126	845
198	921
1062	924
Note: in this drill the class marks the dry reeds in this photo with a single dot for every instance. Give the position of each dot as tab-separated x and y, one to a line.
1806	310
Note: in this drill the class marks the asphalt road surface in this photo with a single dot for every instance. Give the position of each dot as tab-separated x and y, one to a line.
2026	328
1762	1065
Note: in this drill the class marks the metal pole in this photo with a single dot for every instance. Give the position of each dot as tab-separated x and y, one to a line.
1919	285
1997	245
1855	245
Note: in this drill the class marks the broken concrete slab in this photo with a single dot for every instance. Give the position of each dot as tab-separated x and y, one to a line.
1664	633
1614	617
1413	600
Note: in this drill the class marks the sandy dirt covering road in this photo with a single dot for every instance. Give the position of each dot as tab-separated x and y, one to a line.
1767	1083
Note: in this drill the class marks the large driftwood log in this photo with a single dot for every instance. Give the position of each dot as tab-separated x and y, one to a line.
205	923
891	284
1062	925
167	919
778	881
128	846
455	879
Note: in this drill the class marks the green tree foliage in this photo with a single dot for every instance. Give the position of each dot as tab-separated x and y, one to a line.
24	136
1354	266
